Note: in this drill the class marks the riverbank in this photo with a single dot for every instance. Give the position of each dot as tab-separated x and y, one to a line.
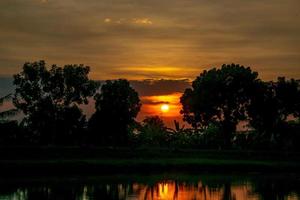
20	161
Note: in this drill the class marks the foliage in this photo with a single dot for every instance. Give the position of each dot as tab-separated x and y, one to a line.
178	128
219	95
9	128
117	105
217	101
153	132
212	136
271	107
10	132
49	99
208	138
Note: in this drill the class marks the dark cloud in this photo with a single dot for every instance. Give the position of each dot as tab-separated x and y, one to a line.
152	87
149	87
149	102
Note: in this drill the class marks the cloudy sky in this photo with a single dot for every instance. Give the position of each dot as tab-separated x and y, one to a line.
139	39
157	39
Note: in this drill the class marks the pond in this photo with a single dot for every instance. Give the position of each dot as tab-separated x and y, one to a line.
156	187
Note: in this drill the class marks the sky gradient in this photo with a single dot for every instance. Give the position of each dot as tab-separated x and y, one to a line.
160	45
138	39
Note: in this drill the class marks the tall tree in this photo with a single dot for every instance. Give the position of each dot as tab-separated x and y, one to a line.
50	98
270	108
219	96
117	105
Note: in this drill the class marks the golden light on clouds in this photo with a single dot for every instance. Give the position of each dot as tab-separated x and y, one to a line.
158	72
107	20
175	38
137	21
145	21
153	69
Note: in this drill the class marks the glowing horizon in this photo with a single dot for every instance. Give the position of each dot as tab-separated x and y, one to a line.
165	42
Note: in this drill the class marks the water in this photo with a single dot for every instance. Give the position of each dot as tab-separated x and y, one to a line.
156	187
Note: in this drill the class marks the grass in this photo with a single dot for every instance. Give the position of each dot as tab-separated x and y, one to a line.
23	161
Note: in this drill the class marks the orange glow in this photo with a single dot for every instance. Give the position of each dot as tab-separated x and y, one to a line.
163	191
162	105
165	108
170	190
156	71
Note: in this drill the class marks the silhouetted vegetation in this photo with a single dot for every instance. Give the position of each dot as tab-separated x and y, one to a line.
219	100
274	114
227	96
10	130
222	96
152	132
116	105
49	100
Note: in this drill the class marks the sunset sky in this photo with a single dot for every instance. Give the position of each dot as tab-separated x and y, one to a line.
173	40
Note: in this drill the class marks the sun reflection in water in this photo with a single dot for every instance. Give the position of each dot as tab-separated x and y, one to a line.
163	190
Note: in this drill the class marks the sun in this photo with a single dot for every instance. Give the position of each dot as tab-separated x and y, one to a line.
164	108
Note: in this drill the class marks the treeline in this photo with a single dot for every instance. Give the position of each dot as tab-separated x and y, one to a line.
219	100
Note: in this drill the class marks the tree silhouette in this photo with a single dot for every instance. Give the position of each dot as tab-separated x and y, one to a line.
288	95
271	106
154	122
153	131
219	95
116	107
49	99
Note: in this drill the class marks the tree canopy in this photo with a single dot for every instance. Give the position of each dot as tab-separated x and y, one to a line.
116	105
219	95
218	100
271	106
153	131
49	99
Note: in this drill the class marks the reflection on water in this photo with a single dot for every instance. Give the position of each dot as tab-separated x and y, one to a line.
202	188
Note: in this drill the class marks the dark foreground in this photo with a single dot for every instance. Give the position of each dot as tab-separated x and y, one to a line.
165	186
22	162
